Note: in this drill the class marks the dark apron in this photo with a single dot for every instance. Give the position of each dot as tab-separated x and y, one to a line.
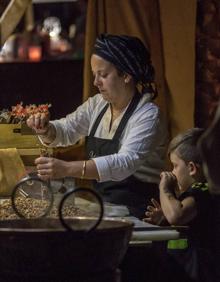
130	192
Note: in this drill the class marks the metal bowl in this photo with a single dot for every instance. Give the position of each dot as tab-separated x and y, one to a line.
43	249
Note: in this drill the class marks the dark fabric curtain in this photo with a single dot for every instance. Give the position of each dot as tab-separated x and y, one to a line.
207	61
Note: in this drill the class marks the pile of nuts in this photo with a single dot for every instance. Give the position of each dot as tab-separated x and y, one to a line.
6	211
33	208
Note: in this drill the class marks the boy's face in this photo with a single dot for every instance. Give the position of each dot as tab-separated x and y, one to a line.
182	172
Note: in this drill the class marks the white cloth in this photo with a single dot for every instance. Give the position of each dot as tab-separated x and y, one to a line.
142	144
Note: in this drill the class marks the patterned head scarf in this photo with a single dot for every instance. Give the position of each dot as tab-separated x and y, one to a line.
129	55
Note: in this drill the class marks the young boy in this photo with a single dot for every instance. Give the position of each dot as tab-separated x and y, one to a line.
185	200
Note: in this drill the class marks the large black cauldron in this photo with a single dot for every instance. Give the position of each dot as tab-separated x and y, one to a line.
42	250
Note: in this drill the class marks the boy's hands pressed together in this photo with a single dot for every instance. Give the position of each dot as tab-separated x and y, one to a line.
168	182
175	211
154	213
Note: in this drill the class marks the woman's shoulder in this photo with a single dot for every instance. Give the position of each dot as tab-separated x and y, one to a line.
93	105
147	102
96	101
147	108
149	115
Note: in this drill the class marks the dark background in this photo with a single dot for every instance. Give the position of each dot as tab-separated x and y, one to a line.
55	82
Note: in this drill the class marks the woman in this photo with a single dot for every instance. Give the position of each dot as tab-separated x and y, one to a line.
125	135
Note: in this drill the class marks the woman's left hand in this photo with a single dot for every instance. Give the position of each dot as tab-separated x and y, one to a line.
51	168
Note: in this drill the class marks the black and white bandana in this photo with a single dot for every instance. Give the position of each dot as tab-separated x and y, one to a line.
129	55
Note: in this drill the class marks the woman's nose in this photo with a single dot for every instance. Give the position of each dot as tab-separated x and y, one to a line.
96	81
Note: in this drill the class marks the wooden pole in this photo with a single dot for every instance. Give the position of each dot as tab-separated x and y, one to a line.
11	17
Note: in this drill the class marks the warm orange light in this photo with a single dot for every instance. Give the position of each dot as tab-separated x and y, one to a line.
34	53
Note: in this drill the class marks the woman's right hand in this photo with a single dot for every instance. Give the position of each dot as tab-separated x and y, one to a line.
39	122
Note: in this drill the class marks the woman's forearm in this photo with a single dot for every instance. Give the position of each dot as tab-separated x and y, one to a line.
52	168
83	169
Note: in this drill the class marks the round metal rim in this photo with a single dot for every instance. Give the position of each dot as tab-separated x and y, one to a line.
32	178
69	193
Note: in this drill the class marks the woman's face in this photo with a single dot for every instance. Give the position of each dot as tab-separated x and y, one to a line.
107	79
181	171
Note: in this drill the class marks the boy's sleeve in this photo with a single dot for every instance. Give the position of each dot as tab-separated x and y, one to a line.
202	197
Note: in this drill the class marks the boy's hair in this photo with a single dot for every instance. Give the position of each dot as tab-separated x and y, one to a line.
185	145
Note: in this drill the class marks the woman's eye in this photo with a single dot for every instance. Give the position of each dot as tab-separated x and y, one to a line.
104	75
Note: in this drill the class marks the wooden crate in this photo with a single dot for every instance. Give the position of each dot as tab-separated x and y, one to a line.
17	136
22	138
29	147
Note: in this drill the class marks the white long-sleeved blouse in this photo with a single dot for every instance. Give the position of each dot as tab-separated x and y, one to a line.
142	144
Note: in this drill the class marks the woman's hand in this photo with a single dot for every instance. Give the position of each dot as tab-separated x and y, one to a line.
154	213
39	122
51	168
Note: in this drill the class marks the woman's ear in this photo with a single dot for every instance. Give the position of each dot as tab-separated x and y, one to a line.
193	168
127	78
